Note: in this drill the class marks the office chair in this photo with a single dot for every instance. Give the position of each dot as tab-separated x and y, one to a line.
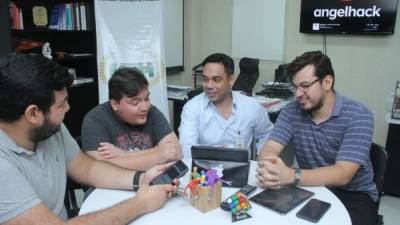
379	160
196	71
194	92
248	75
70	198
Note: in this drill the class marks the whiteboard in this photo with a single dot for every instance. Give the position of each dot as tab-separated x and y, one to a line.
173	32
258	29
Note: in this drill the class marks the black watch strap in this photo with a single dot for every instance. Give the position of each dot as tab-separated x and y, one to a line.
136	179
297	176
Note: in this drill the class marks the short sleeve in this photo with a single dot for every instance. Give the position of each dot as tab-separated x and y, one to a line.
71	147
356	141
16	193
160	125
93	132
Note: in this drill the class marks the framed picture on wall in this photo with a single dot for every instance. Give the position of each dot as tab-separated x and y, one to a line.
396	102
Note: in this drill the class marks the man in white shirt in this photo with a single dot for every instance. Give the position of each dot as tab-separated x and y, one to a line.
220	116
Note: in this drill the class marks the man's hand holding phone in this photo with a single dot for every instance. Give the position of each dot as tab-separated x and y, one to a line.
173	172
153	197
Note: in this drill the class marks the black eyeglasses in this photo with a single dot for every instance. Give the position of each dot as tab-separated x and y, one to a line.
303	87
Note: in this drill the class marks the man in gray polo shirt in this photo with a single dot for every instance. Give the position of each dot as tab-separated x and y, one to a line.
331	135
37	152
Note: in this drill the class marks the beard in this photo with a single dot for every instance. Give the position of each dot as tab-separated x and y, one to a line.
45	131
315	107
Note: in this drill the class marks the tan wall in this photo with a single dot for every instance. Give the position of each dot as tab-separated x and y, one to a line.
365	66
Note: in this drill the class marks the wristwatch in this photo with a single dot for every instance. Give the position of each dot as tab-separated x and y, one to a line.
297	176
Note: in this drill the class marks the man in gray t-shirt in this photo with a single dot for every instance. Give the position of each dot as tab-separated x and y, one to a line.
127	130
22	188
37	153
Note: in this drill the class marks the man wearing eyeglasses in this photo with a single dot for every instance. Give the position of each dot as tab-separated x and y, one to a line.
331	135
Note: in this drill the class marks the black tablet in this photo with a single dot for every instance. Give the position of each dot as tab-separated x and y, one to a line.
234	162
282	200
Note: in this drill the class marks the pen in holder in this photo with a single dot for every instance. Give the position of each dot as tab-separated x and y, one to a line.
205	190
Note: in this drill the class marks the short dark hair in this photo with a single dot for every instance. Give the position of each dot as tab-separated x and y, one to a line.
126	81
29	79
321	62
223	59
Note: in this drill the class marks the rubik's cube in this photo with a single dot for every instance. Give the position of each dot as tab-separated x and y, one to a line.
238	203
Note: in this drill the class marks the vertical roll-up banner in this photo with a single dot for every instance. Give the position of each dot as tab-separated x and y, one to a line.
129	33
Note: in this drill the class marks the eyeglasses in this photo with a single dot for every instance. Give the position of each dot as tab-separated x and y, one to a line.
303	87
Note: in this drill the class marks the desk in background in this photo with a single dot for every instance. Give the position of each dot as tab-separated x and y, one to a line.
179	96
392	182
179	211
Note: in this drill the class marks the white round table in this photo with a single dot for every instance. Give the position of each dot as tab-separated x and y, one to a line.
178	210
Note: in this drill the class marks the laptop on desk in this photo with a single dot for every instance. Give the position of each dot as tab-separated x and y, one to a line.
235	163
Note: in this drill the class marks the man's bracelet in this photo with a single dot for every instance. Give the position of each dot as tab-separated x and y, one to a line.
136	179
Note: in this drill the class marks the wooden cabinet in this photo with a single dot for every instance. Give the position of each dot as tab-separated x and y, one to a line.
72	44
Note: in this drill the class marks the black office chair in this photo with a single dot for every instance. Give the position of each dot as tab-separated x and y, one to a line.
379	160
248	75
70	198
194	92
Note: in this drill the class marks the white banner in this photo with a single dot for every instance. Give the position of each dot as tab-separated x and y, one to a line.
129	33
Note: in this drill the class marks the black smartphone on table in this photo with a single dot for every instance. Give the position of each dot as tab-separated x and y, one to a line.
313	210
177	170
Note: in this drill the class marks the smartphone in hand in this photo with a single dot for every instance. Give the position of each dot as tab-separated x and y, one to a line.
177	170
313	210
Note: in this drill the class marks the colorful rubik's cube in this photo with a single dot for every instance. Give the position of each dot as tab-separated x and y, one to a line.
238	203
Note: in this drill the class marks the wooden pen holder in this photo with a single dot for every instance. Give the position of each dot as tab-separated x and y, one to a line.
203	200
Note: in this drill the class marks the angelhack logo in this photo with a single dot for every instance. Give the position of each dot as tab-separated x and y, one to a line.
348	11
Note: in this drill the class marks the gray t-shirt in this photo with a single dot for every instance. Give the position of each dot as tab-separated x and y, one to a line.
102	125
28	178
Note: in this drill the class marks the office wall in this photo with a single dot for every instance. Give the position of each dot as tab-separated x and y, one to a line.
365	66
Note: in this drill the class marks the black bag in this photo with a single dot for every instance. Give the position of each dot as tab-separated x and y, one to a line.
235	163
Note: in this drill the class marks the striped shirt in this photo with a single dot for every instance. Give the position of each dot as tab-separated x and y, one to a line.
345	136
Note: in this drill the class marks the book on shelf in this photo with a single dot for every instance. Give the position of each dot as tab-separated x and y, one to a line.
69	16
16	17
83	15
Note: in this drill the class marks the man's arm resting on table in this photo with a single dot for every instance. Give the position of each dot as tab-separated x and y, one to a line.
272	170
120	214
168	149
338	174
86	170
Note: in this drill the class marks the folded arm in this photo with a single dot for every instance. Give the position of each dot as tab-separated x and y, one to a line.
168	149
